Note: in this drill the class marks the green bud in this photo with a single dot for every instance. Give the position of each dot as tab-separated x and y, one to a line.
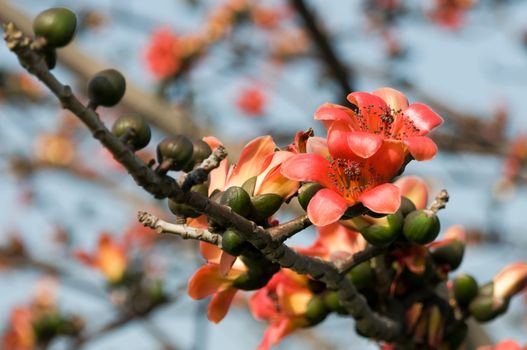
57	25
421	226
106	88
181	209
407	206
383	234
449	254
332	302
201	151
140	129
265	205
316	311
465	289
485	308
177	148
249	185
232	243
237	199
306	192
361	275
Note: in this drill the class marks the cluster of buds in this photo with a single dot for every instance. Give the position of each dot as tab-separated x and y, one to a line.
35	325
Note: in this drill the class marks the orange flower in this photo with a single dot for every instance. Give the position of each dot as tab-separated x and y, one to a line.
283	303
19	335
110	258
504	345
209	280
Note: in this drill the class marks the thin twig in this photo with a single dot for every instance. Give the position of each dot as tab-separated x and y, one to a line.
288	229
350	262
184	231
201	173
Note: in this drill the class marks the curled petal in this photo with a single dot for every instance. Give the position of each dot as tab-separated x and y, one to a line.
326	207
393	98
332	112
307	167
212	141
252	160
226	262
207	280
383	199
421	147
423	117
413	188
364	144
219	304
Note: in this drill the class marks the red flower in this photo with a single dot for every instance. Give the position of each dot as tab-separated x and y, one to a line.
383	116
161	55
347	179
283	303
251	101
504	345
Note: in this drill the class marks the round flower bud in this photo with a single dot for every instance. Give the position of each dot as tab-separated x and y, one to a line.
232	243
201	151
407	206
450	254
177	148
57	25
181	209
421	226
237	199
106	88
316	311
465	289
383	234
332	302
361	275
485	308
306	192
137	126
265	205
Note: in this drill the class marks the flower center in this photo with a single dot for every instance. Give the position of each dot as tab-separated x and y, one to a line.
351	177
390	123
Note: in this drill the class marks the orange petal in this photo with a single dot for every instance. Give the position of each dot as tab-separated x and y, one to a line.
384	199
219	304
415	189
206	281
252	160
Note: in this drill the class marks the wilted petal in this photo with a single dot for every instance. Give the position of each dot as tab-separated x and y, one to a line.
326	207
219	304
413	188
421	147
393	98
383	199
423	117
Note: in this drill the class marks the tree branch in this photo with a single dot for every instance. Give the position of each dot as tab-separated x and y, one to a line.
162	186
282	232
350	262
184	231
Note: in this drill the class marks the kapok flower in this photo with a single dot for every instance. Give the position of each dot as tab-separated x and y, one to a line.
161	54
251	101
347	179
383	116
19	335
209	280
110	258
259	159
283	303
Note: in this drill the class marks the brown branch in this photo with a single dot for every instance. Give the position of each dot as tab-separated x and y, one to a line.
377	326
350	262
288	229
318	34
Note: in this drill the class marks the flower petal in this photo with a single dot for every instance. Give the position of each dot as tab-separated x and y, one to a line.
333	112
510	280
307	167
383	199
424	118
226	262
219	304
421	147
318	145
252	160
271	179
218	177
371	109
413	188
210	252
337	141
275	332
206	281
364	144
393	98
326	207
